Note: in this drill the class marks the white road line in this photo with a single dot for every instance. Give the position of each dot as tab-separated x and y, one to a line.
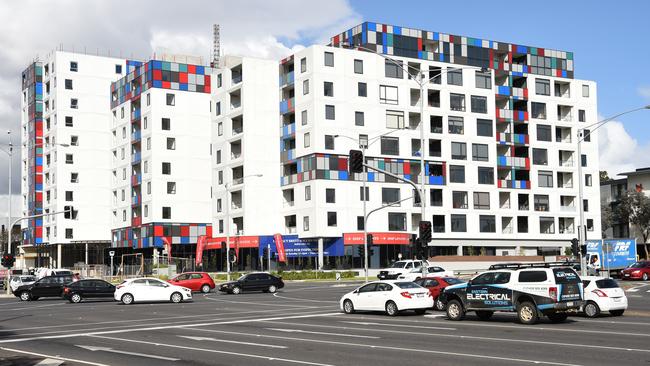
399	325
322	333
298	299
50	362
215	351
636	288
55	357
265	304
108	349
510	340
33	307
499	359
229	341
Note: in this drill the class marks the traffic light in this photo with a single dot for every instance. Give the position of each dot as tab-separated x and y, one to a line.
360	251
355	163
574	247
8	260
369	239
425	232
232	257
583	249
371	251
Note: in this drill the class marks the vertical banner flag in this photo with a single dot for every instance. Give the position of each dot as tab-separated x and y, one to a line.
279	246
168	248
200	245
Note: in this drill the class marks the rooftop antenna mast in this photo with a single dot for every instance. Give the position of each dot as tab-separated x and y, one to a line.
216	45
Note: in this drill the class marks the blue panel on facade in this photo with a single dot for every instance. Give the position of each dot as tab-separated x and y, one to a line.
157	65
158	241
38	240
371	177
185	239
38	186
39	88
397	30
200	70
182	87
436	36
39	160
504	90
343	175
157	83
436	179
38	222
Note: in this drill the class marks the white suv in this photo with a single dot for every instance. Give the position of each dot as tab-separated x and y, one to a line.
401	267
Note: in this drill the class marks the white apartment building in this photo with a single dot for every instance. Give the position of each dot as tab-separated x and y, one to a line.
245	136
500	146
65	135
160	177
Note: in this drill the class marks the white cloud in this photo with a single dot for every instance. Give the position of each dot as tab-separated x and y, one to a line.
620	152
644	91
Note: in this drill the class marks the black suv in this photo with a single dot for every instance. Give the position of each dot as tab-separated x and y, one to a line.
260	281
50	286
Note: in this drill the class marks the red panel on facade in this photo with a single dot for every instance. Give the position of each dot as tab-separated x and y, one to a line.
208	231
157	230
407	168
419	44
157	74
540	52
166	85
182	77
185	230
191	69
343	164
206	80
206	88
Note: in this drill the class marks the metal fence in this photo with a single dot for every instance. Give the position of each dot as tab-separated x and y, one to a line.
136	266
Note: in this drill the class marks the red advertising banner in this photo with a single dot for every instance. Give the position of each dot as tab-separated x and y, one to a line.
235	241
200	245
377	238
279	246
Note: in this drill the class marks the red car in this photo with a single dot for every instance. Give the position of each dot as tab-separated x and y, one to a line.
637	271
436	285
195	281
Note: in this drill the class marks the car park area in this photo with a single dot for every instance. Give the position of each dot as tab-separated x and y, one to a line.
302	324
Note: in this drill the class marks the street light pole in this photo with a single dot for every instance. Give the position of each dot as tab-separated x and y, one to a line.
11	160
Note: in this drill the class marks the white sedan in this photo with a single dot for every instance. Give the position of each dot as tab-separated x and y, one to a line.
432	271
389	296
603	294
150	289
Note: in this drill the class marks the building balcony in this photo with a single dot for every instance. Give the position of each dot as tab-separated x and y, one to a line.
566	163
136	200
516	184
136	136
512	161
136	221
516	93
287	105
136	179
511	115
136	158
288	130
288	155
135	115
568	208
512	138
290	230
286	79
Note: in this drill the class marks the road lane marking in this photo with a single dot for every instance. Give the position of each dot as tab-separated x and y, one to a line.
34	307
636	288
229	341
298	299
398	325
215	351
50	362
323	333
55	357
111	350
499	359
264	304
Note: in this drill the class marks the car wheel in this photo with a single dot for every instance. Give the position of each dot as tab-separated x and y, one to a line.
616	312
484	314
127	299
591	310
272	289
348	307
75	298
236	290
645	277
176	297
527	313
455	310
205	289
391	308
25	296
438	304
420	311
557	317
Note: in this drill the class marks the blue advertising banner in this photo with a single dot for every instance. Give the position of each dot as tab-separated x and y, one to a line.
611	253
295	247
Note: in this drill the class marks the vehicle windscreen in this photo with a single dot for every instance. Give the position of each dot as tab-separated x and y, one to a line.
565	275
636	265
405	285
398	264
606	283
28	278
453	281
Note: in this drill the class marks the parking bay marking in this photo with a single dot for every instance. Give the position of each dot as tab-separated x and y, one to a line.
299	299
215	351
228	341
321	333
52	357
108	349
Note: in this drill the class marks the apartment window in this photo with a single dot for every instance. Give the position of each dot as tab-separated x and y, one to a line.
585	205
328	89
305	138
583	160
546	225
438	224
456	125
330	195
456	174
74	177
435	197
484	127
585	91
217	108
588	181
459	150
458	223
74	103
329	59
166	212
218	156
305	87
358	66
308	193
457	102
68	84
394	119
123	173
68	196
171	99
305	223
74	140
538	110
435	147
123	215
122	112
358	118
388	94
362	89
146	166
148	98
480	152
303	64
329	142
148	143
363	141
544	133
590	224
389	145
542	87
479	104
68	234
540	202
459	199
123	195
74	66
220	226
220	177
303	117
171	143
540	157
393	69
331	219
485	175
522	224
435	124
69	159
123	132
171	187
145	125
581	115
330	112
482	200
167	168
365	197
483	80
146	210
487	224
545	179
166	124
68	121
390	195
455	77
396	221
148	187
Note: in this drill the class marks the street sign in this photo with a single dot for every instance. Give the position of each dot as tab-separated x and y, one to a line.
111	253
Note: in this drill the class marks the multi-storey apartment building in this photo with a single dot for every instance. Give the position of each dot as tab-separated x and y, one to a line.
65	124
160	148
500	121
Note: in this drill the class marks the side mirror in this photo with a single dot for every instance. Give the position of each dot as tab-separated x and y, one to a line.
469	283
165	285
356	291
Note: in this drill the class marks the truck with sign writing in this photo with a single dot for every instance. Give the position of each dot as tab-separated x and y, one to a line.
610	254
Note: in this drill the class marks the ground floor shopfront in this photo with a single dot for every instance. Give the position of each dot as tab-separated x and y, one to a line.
67	255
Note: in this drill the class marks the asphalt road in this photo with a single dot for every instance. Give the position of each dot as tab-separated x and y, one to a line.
302	325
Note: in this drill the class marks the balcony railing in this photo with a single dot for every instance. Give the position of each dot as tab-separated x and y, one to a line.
511	115
516	93
512	161
514	138
566	163
136	179
136	136
136	221
567	208
135	159
286	79
287	106
517	184
288	129
135	114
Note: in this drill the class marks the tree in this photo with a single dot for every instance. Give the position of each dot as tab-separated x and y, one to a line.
607	217
604	176
636	206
